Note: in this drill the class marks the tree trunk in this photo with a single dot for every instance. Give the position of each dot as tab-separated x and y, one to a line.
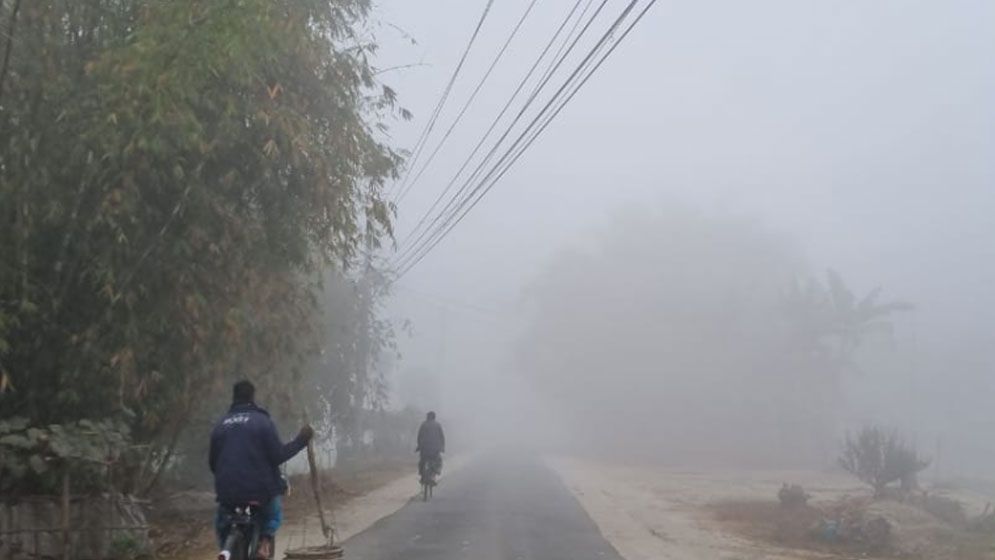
170	449
181	423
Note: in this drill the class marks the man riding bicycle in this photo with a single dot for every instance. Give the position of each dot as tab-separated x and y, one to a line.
431	445
246	453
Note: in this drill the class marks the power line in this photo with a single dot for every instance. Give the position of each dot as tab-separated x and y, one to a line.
552	63
572	93
460	200
473	153
487	189
558	109
508	166
449	86
487	158
406	188
455	200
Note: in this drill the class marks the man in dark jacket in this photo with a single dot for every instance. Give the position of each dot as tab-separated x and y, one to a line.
246	453
431	445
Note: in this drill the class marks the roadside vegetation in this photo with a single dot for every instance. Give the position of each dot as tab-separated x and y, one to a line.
188	192
893	518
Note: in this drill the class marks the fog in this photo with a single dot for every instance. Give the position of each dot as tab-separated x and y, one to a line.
622	290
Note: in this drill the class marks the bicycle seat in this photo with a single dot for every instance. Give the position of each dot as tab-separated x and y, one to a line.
244	505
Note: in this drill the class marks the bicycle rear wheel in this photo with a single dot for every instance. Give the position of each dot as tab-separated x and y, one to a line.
234	547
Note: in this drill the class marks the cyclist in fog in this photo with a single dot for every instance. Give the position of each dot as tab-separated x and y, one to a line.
431	445
246	453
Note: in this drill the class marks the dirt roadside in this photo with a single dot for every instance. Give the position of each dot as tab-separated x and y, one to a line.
654	513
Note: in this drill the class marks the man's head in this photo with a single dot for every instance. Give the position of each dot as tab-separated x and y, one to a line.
430	415
243	392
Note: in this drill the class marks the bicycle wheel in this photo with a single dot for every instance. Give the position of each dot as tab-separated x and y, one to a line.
234	546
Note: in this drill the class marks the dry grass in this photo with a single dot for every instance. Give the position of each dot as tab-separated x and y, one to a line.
770	523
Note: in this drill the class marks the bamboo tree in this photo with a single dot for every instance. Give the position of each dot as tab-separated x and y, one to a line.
175	179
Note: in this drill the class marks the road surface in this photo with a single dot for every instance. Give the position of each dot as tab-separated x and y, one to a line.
495	508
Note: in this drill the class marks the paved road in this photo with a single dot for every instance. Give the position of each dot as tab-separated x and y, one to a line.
494	508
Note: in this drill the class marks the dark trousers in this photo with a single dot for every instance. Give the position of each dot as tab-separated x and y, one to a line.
429	460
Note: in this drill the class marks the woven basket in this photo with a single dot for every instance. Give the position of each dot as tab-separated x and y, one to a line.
314	553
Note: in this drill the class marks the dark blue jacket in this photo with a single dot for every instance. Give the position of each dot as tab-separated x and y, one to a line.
245	455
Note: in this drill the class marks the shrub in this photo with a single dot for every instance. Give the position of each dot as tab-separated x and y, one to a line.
879	457
792	496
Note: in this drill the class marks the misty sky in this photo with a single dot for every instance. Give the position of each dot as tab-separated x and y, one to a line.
862	130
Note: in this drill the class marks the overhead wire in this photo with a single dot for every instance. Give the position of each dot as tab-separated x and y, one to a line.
548	120
438	238
561	104
406	247
458	201
408	184
493	125
573	30
430	125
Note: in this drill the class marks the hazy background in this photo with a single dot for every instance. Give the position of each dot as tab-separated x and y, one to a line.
725	148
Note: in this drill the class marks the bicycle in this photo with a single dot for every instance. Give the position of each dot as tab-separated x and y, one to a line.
429	477
241	541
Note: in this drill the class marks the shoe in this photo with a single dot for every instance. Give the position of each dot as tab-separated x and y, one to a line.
265	549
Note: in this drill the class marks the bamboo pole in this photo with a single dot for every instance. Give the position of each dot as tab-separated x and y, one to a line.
66	541
326	529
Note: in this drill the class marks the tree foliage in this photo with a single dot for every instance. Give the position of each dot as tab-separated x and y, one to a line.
828	322
175	178
34	459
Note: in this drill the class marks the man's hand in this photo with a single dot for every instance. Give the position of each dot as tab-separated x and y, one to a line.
306	433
